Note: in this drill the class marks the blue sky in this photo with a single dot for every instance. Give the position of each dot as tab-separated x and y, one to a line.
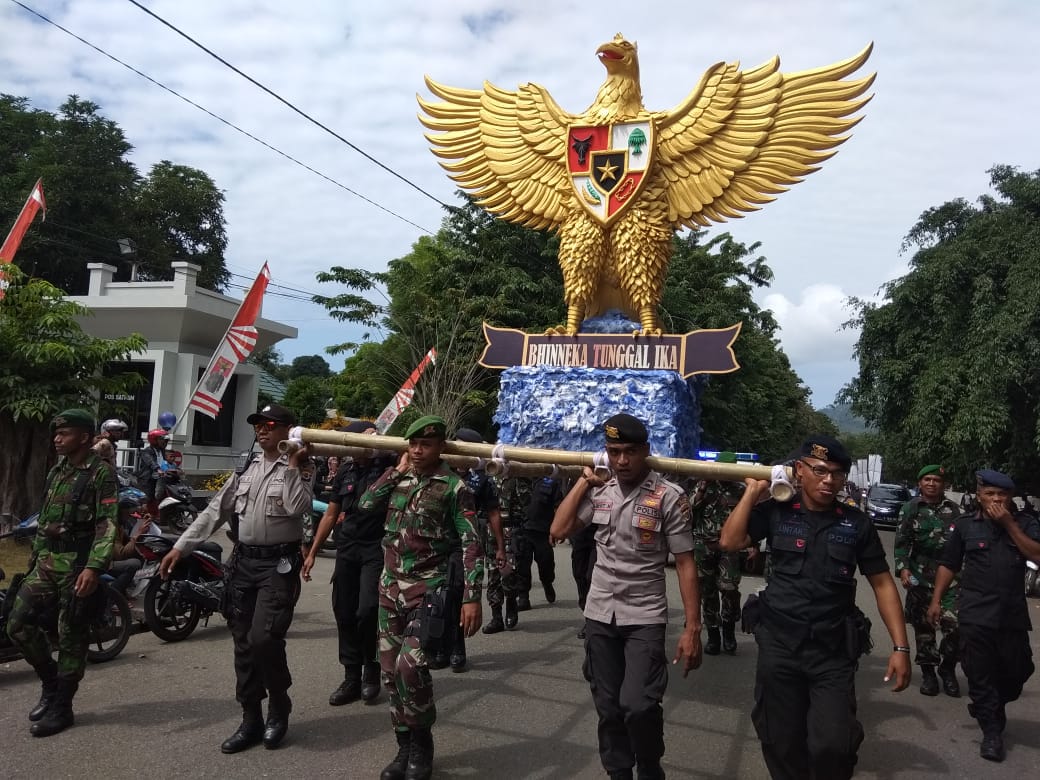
955	94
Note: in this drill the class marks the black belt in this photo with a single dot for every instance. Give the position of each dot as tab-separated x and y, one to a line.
263	551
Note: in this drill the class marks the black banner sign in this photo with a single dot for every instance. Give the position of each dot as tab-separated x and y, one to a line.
697	352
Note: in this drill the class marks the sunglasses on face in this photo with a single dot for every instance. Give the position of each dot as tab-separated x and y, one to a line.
266	425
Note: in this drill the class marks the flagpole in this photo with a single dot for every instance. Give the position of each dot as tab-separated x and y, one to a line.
264	272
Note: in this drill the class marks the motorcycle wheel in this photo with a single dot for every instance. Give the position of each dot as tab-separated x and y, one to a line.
182	517
1031	585
168	619
111	630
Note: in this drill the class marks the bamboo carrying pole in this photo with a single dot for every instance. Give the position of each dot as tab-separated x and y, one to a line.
728	472
493	468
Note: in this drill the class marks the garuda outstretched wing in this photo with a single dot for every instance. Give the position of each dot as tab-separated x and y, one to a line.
740	138
509	149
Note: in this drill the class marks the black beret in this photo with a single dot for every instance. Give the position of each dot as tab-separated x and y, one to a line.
825	447
468	434
995	479
625	429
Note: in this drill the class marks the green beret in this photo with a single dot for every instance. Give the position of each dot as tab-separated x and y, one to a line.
625	429
73	418
935	468
430	426
726	457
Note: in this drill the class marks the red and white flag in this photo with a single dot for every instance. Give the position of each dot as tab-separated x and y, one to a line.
33	204
237	344
404	396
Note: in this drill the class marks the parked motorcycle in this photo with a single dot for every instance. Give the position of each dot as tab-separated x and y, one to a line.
177	510
109	630
1032	578
174	607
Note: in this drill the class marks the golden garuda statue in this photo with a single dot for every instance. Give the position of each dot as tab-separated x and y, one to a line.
617	180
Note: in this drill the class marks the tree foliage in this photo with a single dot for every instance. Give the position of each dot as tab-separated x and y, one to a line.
309	365
96	196
949	362
47	363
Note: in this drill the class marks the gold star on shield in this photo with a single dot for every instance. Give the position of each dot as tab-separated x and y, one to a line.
607	169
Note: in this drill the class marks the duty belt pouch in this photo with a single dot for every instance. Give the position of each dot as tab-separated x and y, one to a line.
857	634
433	618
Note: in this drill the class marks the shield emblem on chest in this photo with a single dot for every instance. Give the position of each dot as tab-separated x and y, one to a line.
609	165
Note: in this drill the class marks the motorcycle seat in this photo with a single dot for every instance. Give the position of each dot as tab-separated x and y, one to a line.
211	548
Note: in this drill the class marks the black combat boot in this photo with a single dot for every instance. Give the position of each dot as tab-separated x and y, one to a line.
523	602
49	678
948	675
992	747
550	593
714	643
511	612
420	756
370	683
458	654
249	732
350	689
729	639
929	682
277	725
494	625
58	715
395	769
651	771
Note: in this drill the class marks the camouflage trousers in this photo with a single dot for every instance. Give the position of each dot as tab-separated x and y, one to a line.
718	575
406	676
497	587
41	596
915	611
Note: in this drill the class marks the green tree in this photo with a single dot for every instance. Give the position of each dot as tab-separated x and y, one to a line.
308	397
309	365
949	362
96	196
475	269
47	363
180	216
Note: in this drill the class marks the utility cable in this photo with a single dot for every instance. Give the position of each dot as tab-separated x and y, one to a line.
291	106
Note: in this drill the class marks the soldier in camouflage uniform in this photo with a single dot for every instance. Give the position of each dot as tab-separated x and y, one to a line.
430	512
73	546
505	583
925	524
718	572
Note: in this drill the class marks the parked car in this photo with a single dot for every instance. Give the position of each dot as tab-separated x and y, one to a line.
884	502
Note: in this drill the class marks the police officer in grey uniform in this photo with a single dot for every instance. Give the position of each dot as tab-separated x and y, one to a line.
265	506
639	518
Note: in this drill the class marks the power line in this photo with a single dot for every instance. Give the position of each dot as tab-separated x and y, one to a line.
225	121
290	105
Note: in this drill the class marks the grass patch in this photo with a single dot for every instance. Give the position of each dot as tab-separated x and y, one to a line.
14	557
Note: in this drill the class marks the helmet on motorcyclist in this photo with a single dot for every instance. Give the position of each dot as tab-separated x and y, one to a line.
132	499
157	435
114	425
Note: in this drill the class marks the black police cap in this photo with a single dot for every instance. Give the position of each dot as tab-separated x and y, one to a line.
823	447
625	429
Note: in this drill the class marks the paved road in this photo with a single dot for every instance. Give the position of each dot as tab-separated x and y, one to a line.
523	711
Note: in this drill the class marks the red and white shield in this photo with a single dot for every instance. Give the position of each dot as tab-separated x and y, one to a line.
609	164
